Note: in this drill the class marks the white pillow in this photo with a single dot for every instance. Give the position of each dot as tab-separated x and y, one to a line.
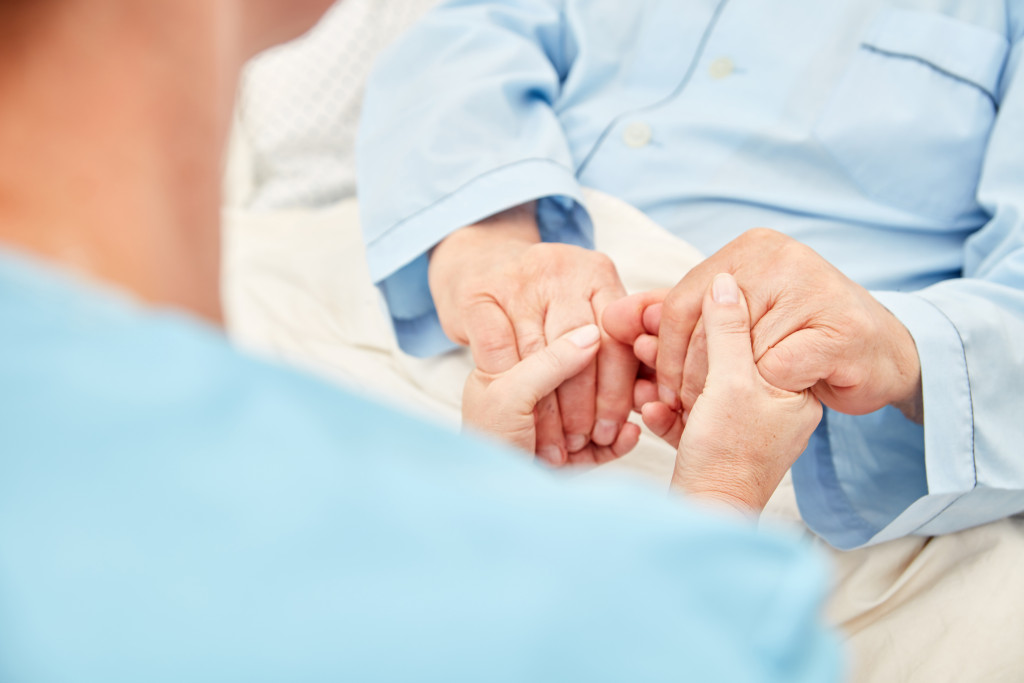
299	105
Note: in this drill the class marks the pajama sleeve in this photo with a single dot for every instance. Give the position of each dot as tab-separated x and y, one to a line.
459	124
873	478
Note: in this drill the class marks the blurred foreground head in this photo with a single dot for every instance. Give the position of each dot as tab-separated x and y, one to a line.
113	115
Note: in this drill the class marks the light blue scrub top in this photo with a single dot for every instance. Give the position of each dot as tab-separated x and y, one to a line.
887	136
171	510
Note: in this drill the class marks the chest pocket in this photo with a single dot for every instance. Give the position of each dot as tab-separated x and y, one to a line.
910	118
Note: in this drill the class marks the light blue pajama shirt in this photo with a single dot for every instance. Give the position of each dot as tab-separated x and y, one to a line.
887	136
172	510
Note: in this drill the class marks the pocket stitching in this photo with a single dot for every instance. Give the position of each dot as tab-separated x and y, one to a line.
934	67
973	53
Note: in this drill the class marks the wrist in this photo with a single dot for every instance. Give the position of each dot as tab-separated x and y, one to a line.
518	224
495	235
907	395
725	505
729	492
912	406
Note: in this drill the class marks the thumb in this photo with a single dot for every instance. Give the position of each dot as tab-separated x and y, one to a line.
539	374
727	328
795	363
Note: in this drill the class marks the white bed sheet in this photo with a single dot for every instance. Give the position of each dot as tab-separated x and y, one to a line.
942	609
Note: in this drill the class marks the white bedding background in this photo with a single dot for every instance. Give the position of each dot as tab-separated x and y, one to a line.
296	288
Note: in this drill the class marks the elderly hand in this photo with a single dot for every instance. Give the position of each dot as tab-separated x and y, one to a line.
505	294
503	404
813	328
742	433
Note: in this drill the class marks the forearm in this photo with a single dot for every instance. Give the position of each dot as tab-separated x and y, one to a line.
732	497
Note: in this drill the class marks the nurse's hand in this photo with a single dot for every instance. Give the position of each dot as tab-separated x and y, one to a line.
504	404
742	433
505	294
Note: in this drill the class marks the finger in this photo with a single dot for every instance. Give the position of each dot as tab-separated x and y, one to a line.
623	319
550	439
577	394
663	421
616	374
629	437
644	392
492	338
645	348
797	362
695	369
583	458
727	326
530	339
626	440
535	377
652	319
679	316
776	324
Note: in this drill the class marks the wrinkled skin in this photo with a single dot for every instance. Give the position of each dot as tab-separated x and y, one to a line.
813	328
743	434
505	294
503	404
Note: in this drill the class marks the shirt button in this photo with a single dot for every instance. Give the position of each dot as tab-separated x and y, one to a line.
722	67
637	134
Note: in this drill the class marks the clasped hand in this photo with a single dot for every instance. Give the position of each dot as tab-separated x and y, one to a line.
732	374
507	296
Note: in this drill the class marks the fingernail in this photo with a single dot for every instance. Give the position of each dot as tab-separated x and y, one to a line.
576	442
667	396
724	289
586	336
605	432
553	454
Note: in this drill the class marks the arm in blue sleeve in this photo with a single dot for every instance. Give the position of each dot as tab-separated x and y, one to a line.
877	477
458	124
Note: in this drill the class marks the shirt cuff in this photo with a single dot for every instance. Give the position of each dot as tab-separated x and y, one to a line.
946	389
398	261
868	479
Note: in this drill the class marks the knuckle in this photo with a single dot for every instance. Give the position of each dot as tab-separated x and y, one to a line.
675	301
532	343
858	321
772	367
732	326
489	343
554	261
764	236
603	266
546	255
792	251
770	244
